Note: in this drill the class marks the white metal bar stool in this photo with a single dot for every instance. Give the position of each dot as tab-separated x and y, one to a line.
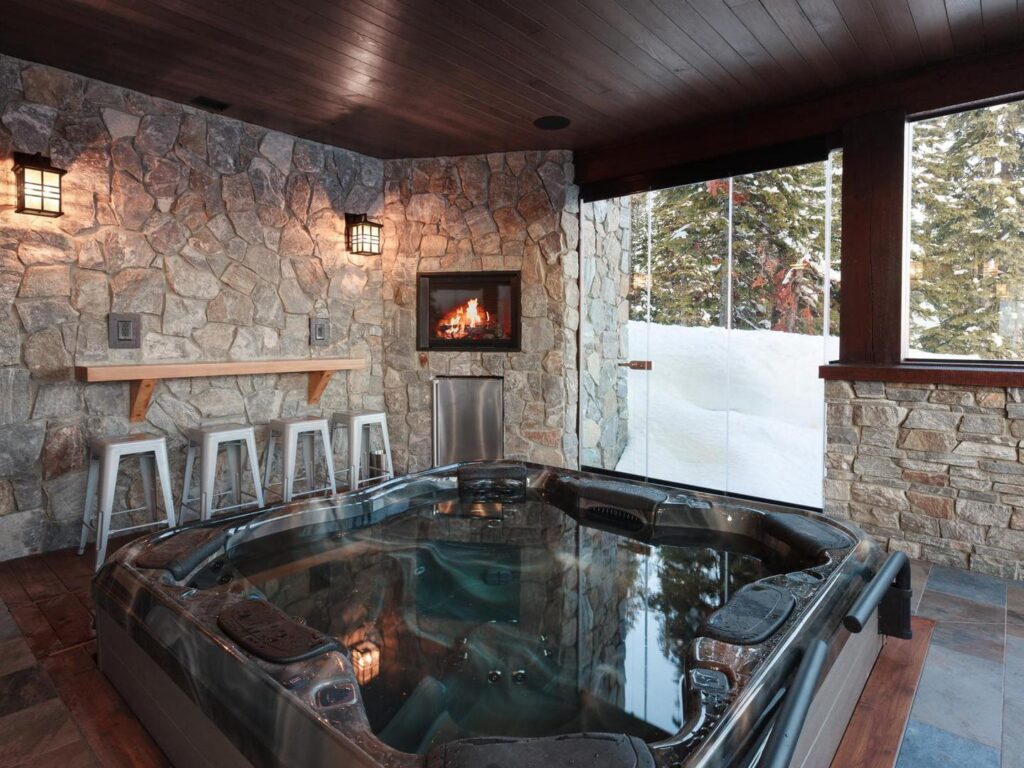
358	424
208	441
291	431
105	456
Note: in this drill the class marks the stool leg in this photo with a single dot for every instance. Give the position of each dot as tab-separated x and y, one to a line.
207	476
148	478
387	446
309	459
91	482
290	445
234	451
325	436
355	452
250	451
163	468
190	467
108	484
268	462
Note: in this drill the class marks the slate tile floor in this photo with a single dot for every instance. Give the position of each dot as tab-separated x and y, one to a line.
57	710
969	706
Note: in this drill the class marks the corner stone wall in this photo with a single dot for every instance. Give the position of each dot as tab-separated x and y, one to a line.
512	211
604	331
226	237
935	471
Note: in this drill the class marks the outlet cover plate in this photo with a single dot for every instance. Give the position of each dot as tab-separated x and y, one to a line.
319	331
124	330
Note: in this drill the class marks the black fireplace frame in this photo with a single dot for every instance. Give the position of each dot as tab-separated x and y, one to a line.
424	342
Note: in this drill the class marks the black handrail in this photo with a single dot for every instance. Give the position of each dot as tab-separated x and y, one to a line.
778	752
893	578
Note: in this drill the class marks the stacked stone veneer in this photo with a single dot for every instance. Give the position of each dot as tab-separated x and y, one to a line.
604	331
936	471
226	237
514	211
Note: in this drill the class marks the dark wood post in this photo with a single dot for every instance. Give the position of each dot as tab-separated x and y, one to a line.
871	293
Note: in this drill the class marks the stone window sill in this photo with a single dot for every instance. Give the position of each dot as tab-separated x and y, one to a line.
970	375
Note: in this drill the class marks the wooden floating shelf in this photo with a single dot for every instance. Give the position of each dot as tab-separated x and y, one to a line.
144	376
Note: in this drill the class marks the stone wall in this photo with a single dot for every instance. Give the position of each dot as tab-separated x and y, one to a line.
515	211
225	236
936	471
604	330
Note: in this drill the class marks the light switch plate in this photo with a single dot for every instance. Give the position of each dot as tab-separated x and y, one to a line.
124	330
319	331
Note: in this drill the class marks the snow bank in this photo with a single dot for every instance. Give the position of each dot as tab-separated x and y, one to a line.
737	410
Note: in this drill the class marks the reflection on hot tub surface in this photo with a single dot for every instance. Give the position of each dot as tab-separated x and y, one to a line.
519	623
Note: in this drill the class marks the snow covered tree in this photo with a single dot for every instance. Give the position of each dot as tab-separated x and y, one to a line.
967	223
778	254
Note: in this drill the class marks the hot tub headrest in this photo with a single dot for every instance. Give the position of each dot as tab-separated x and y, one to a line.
751	616
504	479
181	552
807	536
590	491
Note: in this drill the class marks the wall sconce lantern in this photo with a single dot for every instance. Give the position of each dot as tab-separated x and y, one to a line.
365	661
39	183
363	234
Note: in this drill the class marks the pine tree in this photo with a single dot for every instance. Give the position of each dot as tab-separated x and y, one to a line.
967	222
778	254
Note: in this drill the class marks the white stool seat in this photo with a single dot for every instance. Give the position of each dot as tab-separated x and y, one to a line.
208	440
291	432
105	456
358	423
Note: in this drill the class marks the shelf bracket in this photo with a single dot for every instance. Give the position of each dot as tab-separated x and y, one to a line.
317	384
141	391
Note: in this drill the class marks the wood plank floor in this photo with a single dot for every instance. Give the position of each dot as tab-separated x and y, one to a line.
875	732
57	709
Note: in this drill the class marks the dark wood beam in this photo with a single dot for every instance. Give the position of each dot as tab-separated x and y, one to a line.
871	292
921	92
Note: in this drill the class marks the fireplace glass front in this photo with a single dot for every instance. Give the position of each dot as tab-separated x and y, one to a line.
468	310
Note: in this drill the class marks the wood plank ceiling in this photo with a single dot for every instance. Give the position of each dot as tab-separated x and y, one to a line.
404	78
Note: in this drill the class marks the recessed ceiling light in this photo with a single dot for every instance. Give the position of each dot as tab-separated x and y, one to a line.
209	103
552	122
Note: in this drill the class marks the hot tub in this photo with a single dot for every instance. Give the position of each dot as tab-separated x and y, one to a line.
497	614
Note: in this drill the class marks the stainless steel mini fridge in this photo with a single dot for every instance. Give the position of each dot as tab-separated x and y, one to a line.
469	419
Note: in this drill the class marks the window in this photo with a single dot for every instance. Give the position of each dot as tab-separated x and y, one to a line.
966	273
729	289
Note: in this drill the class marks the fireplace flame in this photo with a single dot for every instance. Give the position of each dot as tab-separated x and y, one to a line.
460	322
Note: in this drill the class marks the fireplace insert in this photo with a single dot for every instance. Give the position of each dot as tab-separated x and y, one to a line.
468	310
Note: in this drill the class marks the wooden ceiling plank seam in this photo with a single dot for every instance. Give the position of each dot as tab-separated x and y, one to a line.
503	69
621	44
762	26
468	32
665	29
192	20
965	24
900	30
933	28
830	25
197	60
579	52
656	48
798	28
686	18
671	97
512	113
866	29
228	49
581	71
725	22
999	20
